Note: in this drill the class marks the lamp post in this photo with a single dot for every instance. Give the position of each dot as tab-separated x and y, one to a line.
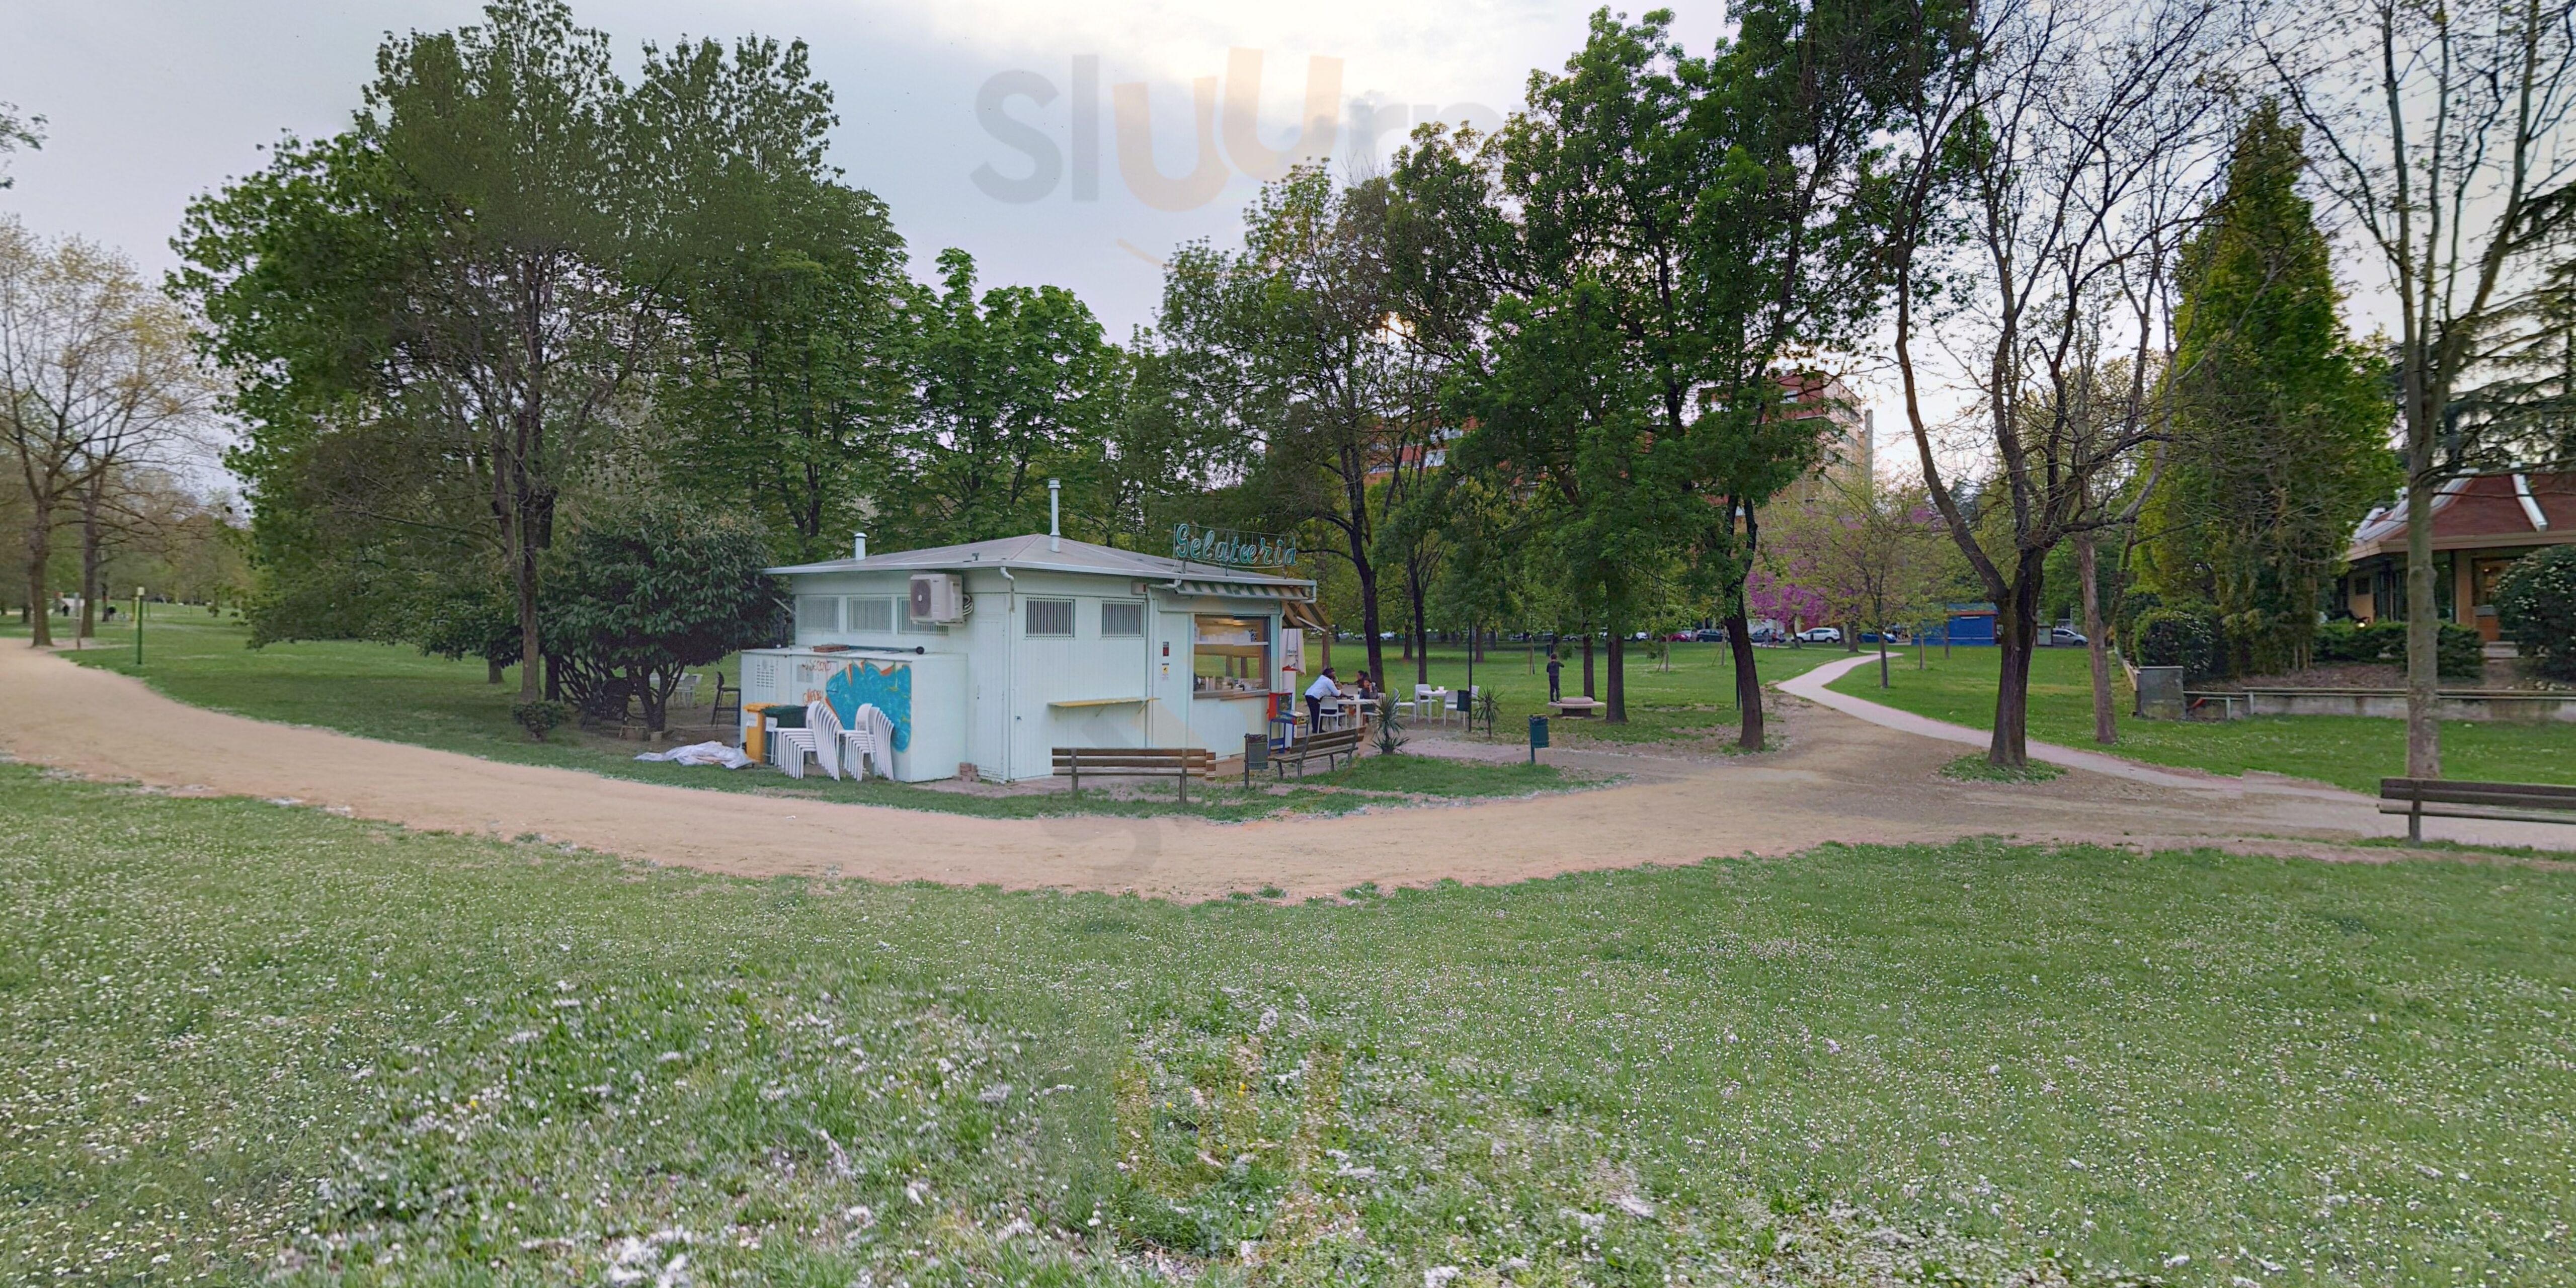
138	628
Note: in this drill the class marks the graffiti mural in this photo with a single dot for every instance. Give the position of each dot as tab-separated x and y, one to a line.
887	688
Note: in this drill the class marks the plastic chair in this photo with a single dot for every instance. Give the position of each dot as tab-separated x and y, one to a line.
869	737
820	738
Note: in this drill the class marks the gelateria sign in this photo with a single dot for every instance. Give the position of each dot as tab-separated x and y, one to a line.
1234	549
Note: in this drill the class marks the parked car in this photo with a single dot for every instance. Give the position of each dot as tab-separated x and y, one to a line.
2064	635
1680	637
1768	635
1821	635
1709	637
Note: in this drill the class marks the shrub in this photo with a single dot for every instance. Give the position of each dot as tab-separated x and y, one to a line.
2458	653
539	717
1390	736
2536	606
2184	635
639	595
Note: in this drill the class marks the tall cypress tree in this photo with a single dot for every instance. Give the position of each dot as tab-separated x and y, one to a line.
2282	420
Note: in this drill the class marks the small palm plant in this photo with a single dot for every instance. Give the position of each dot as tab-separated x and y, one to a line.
1390	735
1489	710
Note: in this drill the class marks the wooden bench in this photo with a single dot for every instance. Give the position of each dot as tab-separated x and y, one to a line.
1344	743
1136	762
2419	798
1573	706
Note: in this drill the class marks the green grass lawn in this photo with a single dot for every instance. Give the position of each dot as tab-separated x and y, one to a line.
247	1041
1693	702
393	693
2347	751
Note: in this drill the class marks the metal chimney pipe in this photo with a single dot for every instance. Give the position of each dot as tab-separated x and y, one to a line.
1055	531
858	545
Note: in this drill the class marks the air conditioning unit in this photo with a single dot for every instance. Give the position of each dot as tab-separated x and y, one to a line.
938	597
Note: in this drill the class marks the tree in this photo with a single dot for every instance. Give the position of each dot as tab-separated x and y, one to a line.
458	296
790	388
1870	550
96	376
2042	181
18	131
2442	133
2280	442
1014	386
643	593
1295	343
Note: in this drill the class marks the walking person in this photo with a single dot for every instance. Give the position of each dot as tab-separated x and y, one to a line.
1555	675
1322	688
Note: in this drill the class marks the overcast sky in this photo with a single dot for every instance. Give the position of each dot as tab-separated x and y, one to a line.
149	104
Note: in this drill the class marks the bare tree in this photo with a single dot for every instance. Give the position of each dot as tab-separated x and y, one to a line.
2044	189
2443	128
95	369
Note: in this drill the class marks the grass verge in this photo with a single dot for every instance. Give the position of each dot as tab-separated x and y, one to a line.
1976	769
2352	752
250	1041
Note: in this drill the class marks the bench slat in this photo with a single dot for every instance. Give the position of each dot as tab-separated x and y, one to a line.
2500	815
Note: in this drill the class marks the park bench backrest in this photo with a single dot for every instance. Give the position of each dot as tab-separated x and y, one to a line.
1335	742
2443	791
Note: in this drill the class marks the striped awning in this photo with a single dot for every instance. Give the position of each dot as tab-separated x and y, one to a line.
1247	590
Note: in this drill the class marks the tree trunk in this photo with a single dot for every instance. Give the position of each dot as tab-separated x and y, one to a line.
1618	713
40	553
492	669
1748	683
2423	621
1367	576
2106	729
1587	660
1421	636
92	498
2015	619
531	646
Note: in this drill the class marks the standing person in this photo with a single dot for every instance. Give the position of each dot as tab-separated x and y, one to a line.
1555	675
1322	688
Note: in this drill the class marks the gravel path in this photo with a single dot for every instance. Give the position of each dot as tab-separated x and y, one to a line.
1839	779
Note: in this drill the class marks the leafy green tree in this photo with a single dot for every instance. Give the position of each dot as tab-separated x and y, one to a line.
790	389
457	298
2281	441
1295	342
1015	385
18	131
641	593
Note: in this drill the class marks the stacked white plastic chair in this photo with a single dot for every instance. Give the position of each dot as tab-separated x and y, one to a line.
820	738
870	737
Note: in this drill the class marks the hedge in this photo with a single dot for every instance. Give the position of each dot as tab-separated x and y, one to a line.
2459	653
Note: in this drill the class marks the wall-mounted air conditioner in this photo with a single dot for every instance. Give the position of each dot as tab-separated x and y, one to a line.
937	597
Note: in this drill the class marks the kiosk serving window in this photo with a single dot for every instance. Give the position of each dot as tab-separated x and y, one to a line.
1231	656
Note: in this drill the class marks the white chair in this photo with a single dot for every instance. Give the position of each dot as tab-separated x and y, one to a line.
1421	693
820	738
869	737
687	693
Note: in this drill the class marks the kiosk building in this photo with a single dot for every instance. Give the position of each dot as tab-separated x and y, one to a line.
988	656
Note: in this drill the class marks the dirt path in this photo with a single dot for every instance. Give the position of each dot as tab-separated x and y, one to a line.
1840	779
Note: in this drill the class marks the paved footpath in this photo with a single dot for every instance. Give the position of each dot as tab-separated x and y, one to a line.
1840	778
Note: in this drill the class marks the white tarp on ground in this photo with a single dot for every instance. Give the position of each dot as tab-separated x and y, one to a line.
701	753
